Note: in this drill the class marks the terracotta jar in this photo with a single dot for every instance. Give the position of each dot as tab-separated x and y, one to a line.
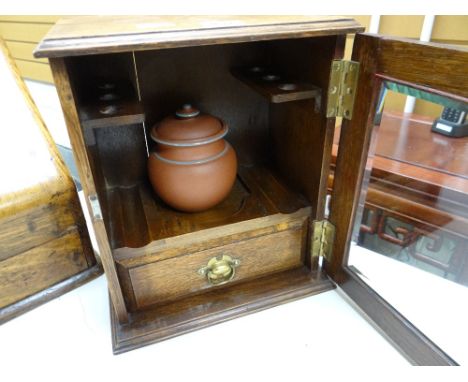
192	167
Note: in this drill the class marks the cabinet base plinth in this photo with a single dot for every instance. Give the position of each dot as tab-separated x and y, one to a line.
197	312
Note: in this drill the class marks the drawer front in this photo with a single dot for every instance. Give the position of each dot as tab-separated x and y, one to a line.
179	276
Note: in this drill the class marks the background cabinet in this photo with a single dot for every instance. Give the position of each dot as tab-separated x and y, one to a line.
45	249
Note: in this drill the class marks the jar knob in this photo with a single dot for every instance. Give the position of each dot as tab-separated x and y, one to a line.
187	111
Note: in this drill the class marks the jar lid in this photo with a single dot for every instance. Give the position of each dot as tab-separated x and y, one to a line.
188	127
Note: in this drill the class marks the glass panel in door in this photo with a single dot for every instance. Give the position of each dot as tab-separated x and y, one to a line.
410	237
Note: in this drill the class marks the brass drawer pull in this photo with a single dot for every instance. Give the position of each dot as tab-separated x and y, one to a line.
219	270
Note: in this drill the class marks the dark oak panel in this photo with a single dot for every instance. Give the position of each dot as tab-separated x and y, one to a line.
355	137
92	34
432	65
302	135
69	108
214	307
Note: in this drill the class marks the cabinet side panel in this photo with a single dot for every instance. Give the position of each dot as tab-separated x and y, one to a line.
303	136
62	82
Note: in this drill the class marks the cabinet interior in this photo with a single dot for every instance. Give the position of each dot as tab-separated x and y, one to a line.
281	145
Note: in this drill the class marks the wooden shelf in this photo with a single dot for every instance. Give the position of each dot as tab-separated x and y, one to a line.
138	217
125	113
277	90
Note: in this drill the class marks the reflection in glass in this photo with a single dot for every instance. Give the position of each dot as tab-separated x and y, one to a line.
410	241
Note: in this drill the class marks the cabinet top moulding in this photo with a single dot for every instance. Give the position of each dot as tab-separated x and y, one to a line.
85	35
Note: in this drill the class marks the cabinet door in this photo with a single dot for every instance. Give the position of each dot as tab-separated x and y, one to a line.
401	183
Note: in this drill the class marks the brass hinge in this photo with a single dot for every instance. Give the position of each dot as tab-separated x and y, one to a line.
95	207
342	88
322	239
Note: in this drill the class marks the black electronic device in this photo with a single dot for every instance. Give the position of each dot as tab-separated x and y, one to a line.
452	122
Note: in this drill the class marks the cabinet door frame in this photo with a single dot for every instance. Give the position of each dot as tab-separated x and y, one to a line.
427	66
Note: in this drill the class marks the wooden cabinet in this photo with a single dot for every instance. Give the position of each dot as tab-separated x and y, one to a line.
282	131
45	248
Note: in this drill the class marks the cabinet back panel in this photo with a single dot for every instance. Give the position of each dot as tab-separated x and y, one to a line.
201	75
86	71
122	154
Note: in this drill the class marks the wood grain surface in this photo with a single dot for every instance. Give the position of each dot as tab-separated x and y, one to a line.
279	246
276	91
215	306
66	96
173	278
139	218
40	267
27	229
43	235
127	113
98	34
301	136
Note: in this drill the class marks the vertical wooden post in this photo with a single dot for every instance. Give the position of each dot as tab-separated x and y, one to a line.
352	155
62	83
329	126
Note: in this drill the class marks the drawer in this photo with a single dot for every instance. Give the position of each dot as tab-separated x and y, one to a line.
254	253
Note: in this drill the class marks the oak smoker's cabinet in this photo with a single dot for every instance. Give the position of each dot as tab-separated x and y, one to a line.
117	76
